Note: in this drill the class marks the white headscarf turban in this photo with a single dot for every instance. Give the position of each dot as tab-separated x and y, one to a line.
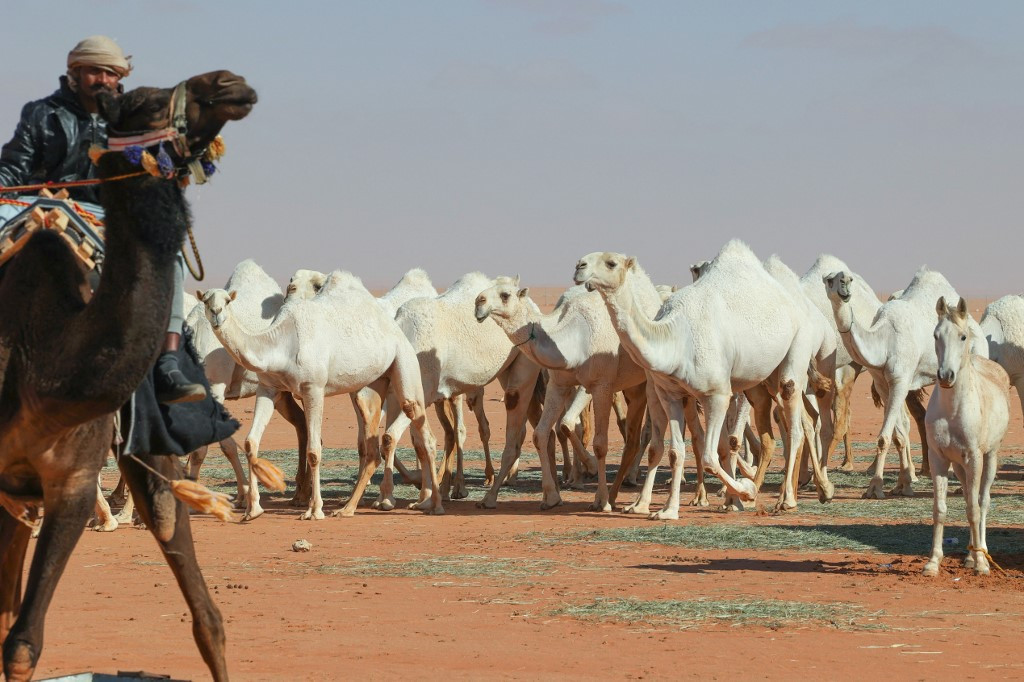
102	52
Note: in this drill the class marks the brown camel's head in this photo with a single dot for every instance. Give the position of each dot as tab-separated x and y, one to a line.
501	300
603	270
211	100
839	286
952	340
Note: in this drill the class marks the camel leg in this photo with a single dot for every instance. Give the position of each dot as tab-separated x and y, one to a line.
554	401
636	397
68	498
761	403
716	407
196	458
896	395
845	378
167	518
973	468
448	457
676	458
368	411
476	404
229	448
940	483
518	385
120	492
313	404
602	399
458	415
573	415
404	376
14	537
656	449
700	494
619	404
261	413
105	520
918	406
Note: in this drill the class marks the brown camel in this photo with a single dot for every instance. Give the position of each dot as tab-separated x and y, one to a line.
66	366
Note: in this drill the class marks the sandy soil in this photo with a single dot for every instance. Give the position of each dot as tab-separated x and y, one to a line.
486	591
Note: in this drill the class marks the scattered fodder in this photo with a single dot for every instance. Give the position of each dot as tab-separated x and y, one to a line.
503	568
914	539
1005	509
686	614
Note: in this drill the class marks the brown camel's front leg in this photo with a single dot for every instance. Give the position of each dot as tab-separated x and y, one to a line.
14	536
918	405
288	408
179	551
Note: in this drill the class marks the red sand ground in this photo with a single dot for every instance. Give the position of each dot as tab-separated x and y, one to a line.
289	617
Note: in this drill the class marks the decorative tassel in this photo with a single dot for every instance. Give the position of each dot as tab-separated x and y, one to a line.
95	152
216	149
150	164
201	498
184	181
268	473
133	154
163	160
209	168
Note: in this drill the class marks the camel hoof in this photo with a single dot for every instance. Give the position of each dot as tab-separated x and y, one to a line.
699	501
544	506
826	492
436	511
783	505
310	515
487	504
931	569
664	515
488	481
344	512
969	561
636	508
874	491
384	504
107	527
600	507
846	466
460	493
747	490
253	514
903	490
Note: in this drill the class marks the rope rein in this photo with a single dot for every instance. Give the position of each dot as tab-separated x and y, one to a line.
972	548
198	276
532	336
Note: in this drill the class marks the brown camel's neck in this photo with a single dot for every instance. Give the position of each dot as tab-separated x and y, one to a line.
114	341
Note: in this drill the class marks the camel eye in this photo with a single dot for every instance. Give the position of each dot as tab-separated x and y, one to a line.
963	337
611	264
504	298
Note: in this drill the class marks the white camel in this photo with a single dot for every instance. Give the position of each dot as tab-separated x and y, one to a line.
1003	327
734	329
257	300
338	342
578	347
967	417
458	357
899	348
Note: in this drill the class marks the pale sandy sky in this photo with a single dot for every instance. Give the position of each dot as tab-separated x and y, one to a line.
513	136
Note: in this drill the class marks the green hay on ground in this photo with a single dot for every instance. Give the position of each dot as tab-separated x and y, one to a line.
685	614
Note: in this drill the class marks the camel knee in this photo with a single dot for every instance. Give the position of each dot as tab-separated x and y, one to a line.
734	443
313	458
511	399
788	389
412	409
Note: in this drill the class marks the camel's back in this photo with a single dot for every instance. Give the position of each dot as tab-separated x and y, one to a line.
258	296
1002	324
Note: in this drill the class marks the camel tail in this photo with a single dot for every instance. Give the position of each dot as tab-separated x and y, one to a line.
822	384
875	398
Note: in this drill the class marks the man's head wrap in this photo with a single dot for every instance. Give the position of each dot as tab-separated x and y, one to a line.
101	52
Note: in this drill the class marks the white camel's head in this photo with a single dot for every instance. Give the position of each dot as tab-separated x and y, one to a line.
305	284
501	300
699	268
953	338
839	286
603	271
216	303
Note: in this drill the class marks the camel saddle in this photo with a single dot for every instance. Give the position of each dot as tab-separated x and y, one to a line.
81	230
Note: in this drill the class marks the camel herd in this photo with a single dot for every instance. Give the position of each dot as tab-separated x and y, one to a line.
749	340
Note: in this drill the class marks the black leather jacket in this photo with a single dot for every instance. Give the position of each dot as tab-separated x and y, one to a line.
51	144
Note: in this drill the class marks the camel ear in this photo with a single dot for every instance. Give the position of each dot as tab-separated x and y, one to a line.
940	306
515	281
523	292
630	263
961	307
232	295
200	293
